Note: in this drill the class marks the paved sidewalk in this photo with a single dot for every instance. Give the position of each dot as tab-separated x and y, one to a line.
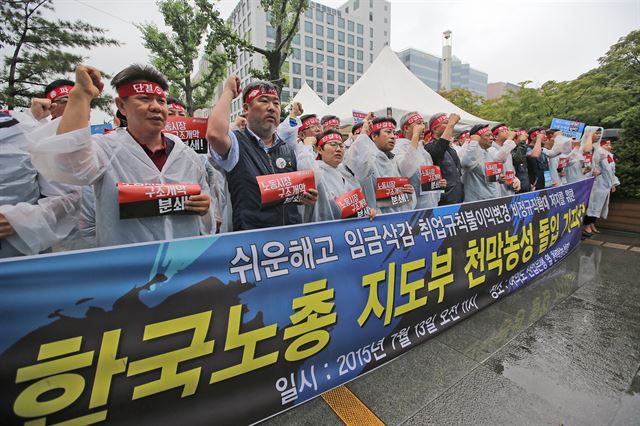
563	350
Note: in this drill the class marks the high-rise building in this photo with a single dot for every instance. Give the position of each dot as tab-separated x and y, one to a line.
331	50
428	68
499	88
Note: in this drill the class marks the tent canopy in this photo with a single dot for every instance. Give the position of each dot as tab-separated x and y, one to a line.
311	102
388	84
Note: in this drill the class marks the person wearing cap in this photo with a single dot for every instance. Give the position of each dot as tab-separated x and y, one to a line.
537	161
141	153
256	151
411	156
445	156
474	159
519	159
333	178
330	122
176	107
372	157
501	149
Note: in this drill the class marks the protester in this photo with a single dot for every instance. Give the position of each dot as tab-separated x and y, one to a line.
330	122
475	159
256	151
604	184
501	151
412	158
519	157
176	107
335	181
373	163
35	214
537	161
446	157
139	154
53	102
310	126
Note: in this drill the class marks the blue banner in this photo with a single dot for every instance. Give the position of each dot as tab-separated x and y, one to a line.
571	129
232	329
100	128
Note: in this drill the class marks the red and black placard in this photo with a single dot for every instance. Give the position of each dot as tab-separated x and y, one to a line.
191	130
139	200
390	191
493	171
430	177
285	188
562	163
352	204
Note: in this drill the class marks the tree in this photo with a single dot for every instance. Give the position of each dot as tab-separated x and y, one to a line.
174	54
36	56
628	155
284	17
462	98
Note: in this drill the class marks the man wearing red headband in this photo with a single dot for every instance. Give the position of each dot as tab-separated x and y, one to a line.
445	156
501	149
371	157
537	160
257	151
519	159
139	154
175	107
474	159
53	102
411	155
310	126
330	122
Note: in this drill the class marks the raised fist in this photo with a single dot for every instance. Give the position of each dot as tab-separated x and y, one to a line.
510	135
453	119
296	110
40	108
233	85
88	81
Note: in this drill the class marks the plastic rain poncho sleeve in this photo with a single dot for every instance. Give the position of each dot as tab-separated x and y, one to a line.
602	184
409	161
475	185
288	129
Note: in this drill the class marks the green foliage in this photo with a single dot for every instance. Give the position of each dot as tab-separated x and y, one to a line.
284	18
196	27
35	49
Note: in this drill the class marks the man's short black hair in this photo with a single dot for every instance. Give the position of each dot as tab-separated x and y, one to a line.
535	129
172	100
325	133
356	127
327	118
55	84
552	131
122	118
138	72
267	86
493	129
477	127
380	120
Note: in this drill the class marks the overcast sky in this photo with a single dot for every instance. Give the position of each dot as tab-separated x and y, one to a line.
512	41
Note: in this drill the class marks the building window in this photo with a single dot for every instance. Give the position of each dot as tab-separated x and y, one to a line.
352	79
341	63
360	29
351	26
319	87
351	66
331	75
296	68
341	50
385	33
296	40
385	20
330	19
370	44
319	44
284	96
308	41
319	57
270	45
341	36
346	9
340	90
308	27
360	42
308	71
271	32
295	53
319	72
308	56
340	22
356	4
351	39
341	77
360	55
319	30
310	82
308	13
330	47
371	16
319	15
331	88
385	8
330	32
360	68
370	57
297	83
330	61
371	32
351	52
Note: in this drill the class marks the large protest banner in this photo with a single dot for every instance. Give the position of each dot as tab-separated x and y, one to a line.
235	328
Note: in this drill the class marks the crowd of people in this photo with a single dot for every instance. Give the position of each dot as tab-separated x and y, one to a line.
63	187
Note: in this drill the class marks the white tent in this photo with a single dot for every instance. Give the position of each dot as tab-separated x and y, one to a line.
311	102
389	84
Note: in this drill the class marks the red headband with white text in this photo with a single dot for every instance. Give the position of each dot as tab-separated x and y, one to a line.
481	131
259	91
59	92
437	121
176	107
311	121
141	88
412	119
333	122
328	138
382	125
500	129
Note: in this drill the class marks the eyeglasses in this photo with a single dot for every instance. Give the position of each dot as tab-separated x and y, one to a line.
336	145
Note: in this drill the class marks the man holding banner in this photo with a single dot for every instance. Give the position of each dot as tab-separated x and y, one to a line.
148	185
262	170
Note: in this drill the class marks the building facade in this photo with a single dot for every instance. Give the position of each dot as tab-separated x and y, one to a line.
498	89
331	50
428	68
